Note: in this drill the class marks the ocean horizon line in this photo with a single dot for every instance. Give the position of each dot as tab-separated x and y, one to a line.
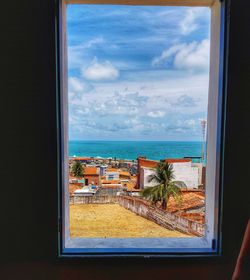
132	149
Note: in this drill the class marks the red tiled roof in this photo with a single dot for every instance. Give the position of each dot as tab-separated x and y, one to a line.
153	163
111	169
175	160
111	181
188	200
81	158
90	171
147	163
125	173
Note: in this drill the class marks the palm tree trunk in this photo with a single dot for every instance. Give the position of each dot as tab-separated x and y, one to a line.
164	204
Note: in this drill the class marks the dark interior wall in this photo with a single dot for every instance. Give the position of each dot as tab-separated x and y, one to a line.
28	155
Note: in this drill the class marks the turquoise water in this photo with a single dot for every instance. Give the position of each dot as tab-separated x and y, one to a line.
132	149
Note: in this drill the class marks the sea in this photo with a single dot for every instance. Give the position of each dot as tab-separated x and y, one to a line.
130	150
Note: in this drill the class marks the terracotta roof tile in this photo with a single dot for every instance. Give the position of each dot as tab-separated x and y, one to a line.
188	200
111	169
81	158
90	171
124	173
111	181
176	160
147	163
153	163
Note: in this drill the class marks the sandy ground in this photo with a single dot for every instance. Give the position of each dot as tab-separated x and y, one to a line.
112	220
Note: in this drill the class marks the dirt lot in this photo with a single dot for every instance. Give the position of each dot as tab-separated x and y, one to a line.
112	220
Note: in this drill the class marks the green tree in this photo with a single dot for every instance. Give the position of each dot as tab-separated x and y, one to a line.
165	187
77	169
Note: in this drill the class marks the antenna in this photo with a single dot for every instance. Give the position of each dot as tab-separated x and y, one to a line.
203	123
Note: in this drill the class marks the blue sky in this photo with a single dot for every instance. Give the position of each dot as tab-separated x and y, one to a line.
137	73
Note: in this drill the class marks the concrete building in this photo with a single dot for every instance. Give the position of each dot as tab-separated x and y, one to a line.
184	170
111	184
112	175
91	176
103	169
85	191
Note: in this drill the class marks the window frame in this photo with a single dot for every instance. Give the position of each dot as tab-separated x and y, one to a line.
220	60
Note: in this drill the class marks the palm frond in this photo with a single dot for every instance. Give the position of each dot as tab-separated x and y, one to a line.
153	193
165	188
175	191
154	177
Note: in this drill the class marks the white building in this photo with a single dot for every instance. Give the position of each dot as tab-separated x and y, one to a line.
103	169
184	170
85	191
112	175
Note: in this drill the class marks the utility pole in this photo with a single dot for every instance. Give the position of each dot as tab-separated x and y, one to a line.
203	129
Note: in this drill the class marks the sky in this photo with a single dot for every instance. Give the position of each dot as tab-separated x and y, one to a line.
137	73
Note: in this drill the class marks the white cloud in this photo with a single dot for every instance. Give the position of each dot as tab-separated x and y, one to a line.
189	23
156	114
190	122
100	71
88	44
128	104
83	111
76	53
135	107
166	54
192	57
172	93
76	85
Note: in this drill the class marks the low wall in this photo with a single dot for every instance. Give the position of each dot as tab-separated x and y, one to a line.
161	217
79	199
146	210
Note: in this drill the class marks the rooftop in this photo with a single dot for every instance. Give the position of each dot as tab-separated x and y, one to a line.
90	171
153	163
176	160
189	200
124	173
111	169
111	181
81	158
147	162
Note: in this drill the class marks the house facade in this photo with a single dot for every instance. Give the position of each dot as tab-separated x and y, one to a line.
184	170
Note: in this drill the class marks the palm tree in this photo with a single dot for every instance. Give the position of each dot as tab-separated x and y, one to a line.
165	187
77	169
